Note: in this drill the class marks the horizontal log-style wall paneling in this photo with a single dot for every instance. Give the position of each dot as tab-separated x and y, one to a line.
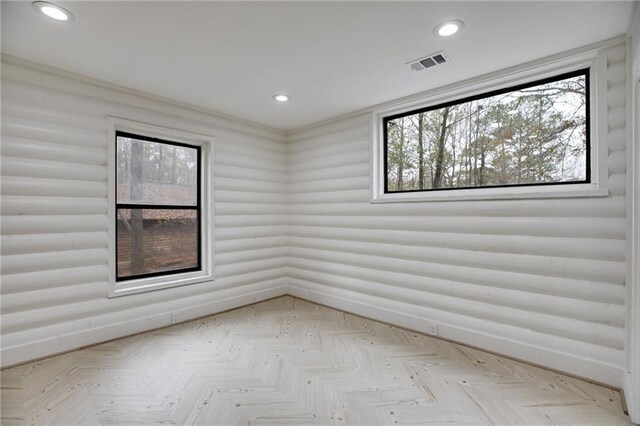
54	214
542	280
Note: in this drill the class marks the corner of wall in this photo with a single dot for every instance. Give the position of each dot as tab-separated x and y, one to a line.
631	380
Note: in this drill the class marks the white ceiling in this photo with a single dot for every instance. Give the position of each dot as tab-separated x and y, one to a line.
331	57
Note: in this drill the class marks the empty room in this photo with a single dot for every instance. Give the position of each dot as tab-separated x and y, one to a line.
320	213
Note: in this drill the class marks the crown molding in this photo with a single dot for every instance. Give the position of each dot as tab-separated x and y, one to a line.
615	41
221	119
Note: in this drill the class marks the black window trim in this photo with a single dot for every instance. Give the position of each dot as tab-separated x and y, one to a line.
197	207
580	72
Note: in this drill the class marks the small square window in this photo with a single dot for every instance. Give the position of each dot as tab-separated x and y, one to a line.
158	207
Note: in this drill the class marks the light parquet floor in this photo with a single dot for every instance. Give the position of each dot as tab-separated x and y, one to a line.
290	362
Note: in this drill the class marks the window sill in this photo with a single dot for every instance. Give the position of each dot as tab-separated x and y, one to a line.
518	193
595	60
143	285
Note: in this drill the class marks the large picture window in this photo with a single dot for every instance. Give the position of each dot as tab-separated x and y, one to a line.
158	207
532	134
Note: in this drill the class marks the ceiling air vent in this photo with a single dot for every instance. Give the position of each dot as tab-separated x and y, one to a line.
429	61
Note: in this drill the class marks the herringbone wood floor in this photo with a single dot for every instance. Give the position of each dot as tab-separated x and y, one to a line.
288	361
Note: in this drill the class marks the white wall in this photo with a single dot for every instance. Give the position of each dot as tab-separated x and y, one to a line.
54	215
541	280
631	383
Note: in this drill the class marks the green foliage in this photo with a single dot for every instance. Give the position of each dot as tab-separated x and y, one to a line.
533	135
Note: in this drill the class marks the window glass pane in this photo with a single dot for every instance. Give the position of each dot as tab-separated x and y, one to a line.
156	173
156	240
533	135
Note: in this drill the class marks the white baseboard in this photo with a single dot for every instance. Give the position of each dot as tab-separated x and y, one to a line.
91	336
365	305
632	396
391	312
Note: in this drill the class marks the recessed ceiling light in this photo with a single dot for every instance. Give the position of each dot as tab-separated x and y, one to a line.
53	11
448	28
281	97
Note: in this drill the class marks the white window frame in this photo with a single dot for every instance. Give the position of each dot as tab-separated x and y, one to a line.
595	60
206	144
